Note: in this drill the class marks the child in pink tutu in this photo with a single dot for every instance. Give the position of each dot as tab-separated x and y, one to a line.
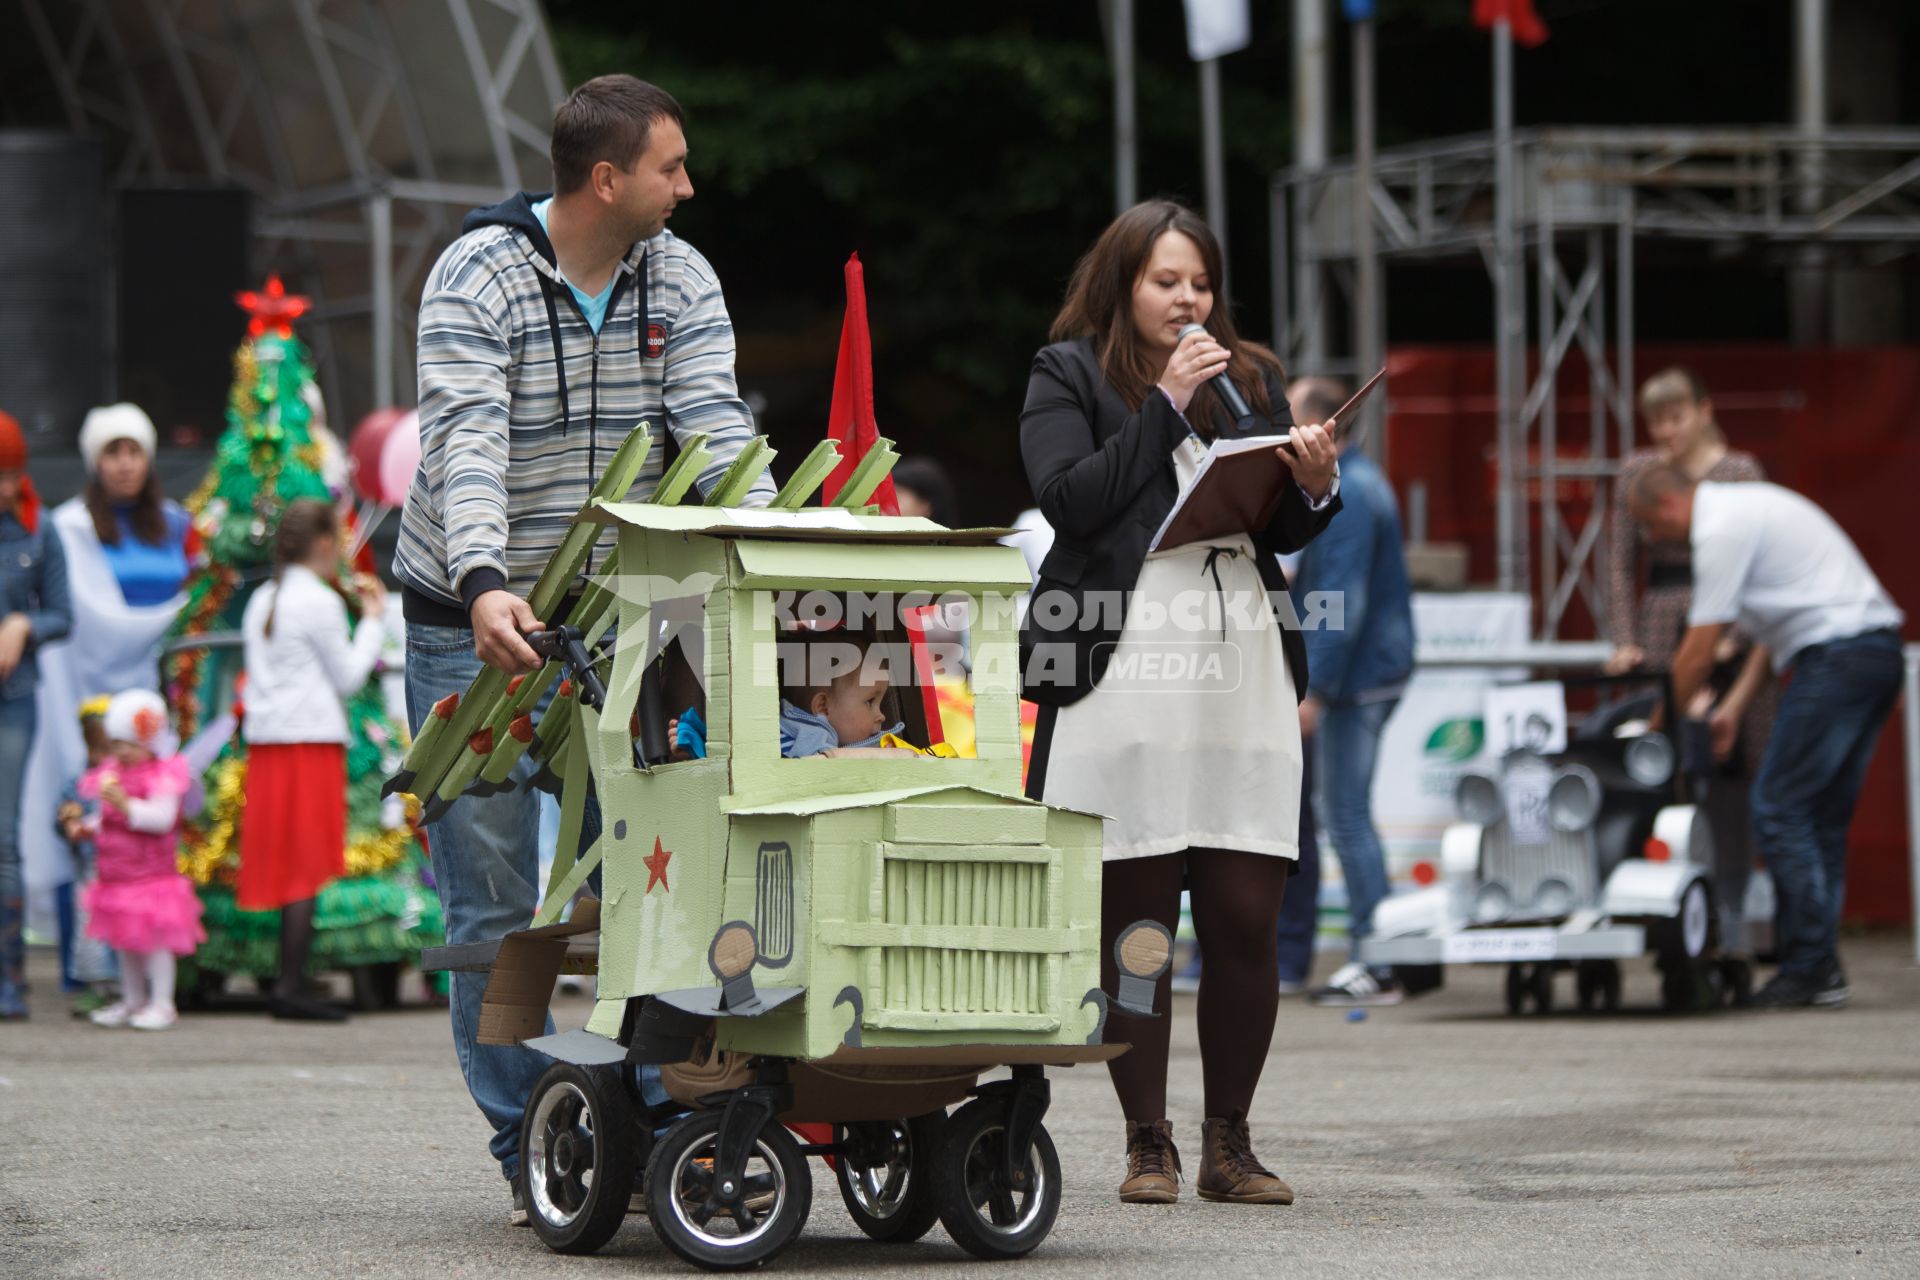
140	904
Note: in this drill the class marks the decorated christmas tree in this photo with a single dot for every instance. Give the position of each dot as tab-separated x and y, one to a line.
274	451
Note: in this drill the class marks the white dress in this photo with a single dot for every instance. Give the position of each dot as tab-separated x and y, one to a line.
1192	737
113	646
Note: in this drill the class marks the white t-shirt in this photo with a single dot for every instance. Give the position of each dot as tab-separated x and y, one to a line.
1769	559
297	677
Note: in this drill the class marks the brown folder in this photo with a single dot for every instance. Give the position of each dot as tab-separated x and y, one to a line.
1237	489
1238	486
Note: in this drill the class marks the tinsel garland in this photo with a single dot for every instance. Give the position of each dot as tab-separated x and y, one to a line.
358	920
211	849
197	501
205	600
246	375
266	458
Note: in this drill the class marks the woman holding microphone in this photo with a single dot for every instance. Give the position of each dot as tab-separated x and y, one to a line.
1169	685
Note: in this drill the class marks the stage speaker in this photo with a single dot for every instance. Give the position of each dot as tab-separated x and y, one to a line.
183	253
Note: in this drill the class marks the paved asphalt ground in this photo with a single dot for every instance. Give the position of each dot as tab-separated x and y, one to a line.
1437	1138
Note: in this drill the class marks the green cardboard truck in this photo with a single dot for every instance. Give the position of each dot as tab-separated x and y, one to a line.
849	940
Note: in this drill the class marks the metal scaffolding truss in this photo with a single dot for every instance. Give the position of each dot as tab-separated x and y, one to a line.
363	129
1581	200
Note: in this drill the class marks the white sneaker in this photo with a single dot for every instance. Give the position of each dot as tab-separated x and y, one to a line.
1353	984
1291	988
155	1017
114	1015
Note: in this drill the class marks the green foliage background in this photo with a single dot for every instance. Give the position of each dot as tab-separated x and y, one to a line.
966	152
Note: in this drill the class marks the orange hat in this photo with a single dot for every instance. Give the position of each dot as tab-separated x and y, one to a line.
13	444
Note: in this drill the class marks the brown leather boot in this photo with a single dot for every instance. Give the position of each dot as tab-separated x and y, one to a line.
1228	1169
1153	1166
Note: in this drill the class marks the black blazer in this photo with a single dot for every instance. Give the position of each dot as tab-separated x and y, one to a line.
1100	472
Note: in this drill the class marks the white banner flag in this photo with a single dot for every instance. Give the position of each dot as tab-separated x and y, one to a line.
1216	28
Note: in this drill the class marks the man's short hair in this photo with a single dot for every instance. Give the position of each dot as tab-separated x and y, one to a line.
1676	385
1316	399
608	118
1655	483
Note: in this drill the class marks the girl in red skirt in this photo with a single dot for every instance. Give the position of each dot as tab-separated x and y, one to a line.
302	660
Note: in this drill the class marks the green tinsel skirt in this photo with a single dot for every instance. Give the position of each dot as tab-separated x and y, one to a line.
357	921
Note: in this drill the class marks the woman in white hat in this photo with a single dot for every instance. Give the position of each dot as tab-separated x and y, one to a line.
141	535
127	557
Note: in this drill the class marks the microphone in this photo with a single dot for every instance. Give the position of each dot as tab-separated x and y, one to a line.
1221	384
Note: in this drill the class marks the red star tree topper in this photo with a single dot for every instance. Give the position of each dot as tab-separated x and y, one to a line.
273	309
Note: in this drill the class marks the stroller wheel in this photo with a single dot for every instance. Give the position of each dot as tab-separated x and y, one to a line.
716	1227
984	1215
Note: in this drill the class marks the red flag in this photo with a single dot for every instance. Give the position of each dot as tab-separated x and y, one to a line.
1526	24
851	419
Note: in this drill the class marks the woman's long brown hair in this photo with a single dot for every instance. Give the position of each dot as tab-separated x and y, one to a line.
148	517
1100	302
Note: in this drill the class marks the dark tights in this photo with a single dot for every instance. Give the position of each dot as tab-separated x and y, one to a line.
1236	914
296	944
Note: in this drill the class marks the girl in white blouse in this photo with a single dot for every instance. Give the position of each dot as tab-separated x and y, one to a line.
302	660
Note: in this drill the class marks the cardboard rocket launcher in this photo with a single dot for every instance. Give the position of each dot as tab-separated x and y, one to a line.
897	904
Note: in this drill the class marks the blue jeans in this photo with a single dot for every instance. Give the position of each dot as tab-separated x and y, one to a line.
1809	780
18	718
1300	908
1349	747
486	862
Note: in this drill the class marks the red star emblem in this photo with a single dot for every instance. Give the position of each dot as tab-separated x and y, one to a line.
657	866
273	309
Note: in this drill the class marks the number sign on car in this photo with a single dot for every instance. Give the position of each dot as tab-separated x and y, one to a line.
1531	716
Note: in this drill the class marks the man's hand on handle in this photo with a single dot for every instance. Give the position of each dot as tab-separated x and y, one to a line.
500	621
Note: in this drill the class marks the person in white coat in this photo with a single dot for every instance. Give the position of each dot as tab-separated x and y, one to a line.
303	660
128	551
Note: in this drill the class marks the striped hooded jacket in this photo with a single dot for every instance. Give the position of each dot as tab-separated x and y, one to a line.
522	405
